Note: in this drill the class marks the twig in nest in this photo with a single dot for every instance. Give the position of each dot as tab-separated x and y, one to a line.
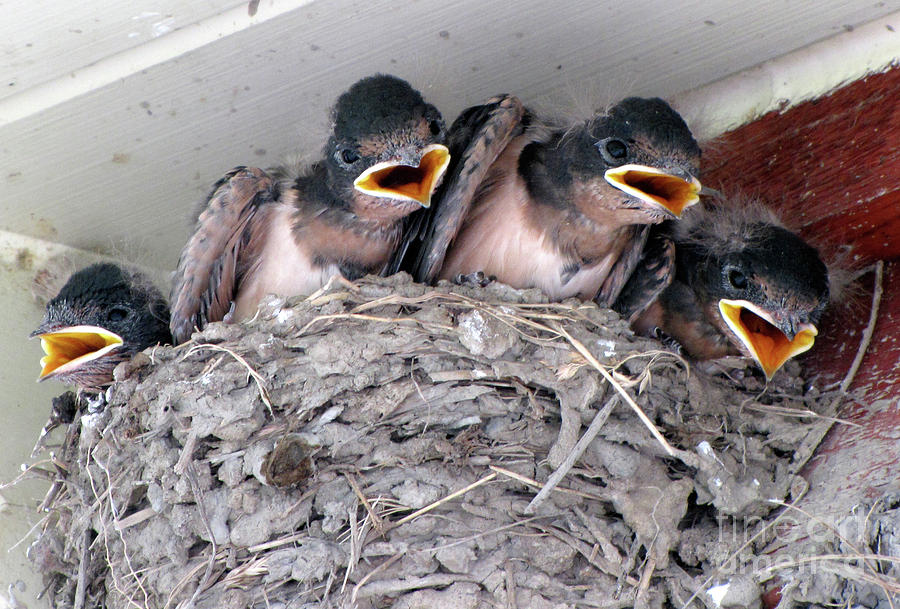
579	346
644	377
644	584
187	453
831	557
81	582
493	531
315	297
133	519
390	320
244	575
27	535
114	511
443	500
869	330
538	485
800	414
387	563
574	454
275	543
34	470
509	581
582	548
610	551
356	542
394	587
396	299
376	519
260	382
191	473
52	493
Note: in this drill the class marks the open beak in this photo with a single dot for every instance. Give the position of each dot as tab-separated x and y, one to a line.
756	329
655	186
393	180
68	348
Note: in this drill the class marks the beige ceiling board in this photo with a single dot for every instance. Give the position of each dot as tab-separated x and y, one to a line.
43	40
124	164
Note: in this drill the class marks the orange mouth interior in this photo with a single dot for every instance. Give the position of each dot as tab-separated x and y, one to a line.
70	347
654	186
768	345
405	182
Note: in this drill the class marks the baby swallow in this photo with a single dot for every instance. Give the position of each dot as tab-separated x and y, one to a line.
260	235
103	315
729	279
563	209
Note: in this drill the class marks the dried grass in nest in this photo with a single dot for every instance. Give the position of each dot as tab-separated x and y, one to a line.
389	444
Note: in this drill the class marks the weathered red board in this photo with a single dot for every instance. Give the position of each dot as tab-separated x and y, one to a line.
832	166
832	169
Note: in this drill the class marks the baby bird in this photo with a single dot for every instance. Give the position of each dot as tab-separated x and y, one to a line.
103	315
560	208
729	279
343	216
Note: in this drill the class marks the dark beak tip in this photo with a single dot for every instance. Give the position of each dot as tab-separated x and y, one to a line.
788	328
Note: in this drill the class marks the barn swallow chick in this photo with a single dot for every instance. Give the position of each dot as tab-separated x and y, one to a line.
562	209
260	235
103	315
730	279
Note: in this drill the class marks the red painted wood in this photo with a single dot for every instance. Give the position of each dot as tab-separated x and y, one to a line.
832	169
830	165
858	463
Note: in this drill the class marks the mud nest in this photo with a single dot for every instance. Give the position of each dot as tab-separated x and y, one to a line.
390	444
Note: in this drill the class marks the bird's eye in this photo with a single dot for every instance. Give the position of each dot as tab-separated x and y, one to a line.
349	156
435	127
116	314
612	150
737	279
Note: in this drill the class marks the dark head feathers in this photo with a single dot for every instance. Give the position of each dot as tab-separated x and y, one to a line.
643	131
92	293
96	280
650	118
381	102
720	225
745	232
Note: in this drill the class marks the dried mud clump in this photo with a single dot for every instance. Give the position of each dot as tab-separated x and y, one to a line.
383	444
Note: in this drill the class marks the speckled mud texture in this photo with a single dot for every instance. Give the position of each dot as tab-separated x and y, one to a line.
380	444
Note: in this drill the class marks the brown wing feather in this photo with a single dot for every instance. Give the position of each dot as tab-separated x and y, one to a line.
476	139
624	266
647	278
211	265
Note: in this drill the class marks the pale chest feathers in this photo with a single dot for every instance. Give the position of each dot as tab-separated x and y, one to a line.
284	267
502	241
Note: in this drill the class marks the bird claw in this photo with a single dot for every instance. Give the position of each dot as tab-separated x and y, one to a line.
473	280
668	341
229	317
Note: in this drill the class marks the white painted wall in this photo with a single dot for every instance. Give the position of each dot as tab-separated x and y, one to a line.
115	117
